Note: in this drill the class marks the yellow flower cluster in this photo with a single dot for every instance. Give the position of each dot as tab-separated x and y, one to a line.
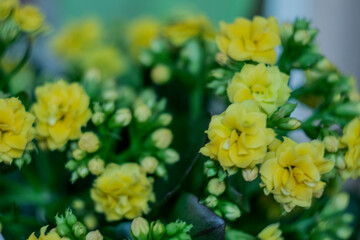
141	33
6	6
181	31
122	191
266	85
351	141
292	172
239	137
52	235
271	232
16	129
61	110
250	40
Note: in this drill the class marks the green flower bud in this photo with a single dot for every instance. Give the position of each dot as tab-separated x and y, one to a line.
19	162
250	174
216	187
63	230
140	228
211	201
71	219
302	37
78	154
211	172
222	59
79	230
171	229
210	163
158	230
98	118
222	175
289	124
331	143
142	113
122	117
161	171
286	31
285	110
230	211
109	107
94	235
170	156
165	119
146	57
149	164
83	171
162	138
160	74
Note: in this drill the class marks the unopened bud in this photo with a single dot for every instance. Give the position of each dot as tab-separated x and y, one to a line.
325	65
286	31
302	37
90	221
71	219
211	201
161	171
222	59
89	142
98	118
170	156
122	117
78	204
109	107
165	119
149	164
331	143
78	154
110	95
250	174
96	166
171	229
285	110
158	230
79	230
83	171
211	172
140	228
63	230
94	235
216	187
289	124
160	74
340	161
162	138
229	210
142	113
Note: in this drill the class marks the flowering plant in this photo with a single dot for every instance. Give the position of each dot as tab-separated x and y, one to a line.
177	131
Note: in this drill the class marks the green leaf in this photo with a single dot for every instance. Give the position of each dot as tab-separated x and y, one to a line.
207	225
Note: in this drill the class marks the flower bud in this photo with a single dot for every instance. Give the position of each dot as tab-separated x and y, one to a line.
149	164
63	230
122	117
70	218
302	37
285	110
222	59
340	161
171	229
90	221
331	143
229	210
19	162
83	171
94	235
146	57
165	119
216	187
286	31
96	166
109	107
170	156
250	174
162	138
79	230
161	171
142	113
158	230
211	172
78	154
110	95
160	74
98	118
350	109
289	124
325	65
140	228
211	201
89	142
78	204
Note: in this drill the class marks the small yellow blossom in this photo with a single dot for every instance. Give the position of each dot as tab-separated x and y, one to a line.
238	137
162	138
271	232
141	33
351	141
250	40
77	39
181	31
6	6
52	235
61	110
29	18
266	85
293	173
89	142
16	129
107	60
122	191
96	166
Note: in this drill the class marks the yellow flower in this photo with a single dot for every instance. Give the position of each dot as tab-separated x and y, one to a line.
107	60
238	137
181	31
61	110
52	235
122	191
271	232
77	39
16	130
245	40
141	33
292	173
29	18
6	6
266	85
351	141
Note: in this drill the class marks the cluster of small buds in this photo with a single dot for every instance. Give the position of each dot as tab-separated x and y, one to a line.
213	169
83	157
218	202
156	230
